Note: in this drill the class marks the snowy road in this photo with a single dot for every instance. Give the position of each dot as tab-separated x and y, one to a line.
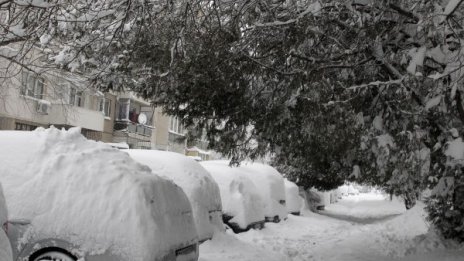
369	228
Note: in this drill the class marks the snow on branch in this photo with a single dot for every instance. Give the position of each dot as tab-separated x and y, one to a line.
34	3
313	8
451	7
376	83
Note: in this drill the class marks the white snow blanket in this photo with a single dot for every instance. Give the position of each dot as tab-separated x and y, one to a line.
270	184
91	195
293	199
197	183
239	195
5	247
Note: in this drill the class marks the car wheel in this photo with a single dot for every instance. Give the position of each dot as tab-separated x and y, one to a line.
54	256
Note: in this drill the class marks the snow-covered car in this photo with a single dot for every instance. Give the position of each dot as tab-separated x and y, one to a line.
314	200
197	183
5	247
270	184
319	199
294	201
76	199
242	206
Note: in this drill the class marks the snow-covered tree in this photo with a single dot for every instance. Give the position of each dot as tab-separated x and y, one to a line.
351	89
363	90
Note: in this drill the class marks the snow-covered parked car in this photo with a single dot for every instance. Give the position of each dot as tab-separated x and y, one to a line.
5	247
197	183
76	199
294	201
270	184
242	206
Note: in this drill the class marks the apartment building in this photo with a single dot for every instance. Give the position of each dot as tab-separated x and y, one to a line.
170	133
65	100
28	101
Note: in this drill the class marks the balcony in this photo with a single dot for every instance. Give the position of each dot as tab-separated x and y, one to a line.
134	128
76	116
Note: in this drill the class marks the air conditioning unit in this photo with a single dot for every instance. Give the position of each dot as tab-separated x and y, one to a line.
43	107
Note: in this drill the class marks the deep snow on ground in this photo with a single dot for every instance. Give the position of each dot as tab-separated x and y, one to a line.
379	229
365	208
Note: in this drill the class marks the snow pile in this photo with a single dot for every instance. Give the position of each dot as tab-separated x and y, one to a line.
270	184
292	195
226	247
197	183
366	206
91	195
442	255
321	238
5	248
403	234
299	238
240	199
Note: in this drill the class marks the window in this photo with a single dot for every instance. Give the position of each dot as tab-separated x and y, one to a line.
105	106
176	125
62	92
76	97
32	85
24	127
123	112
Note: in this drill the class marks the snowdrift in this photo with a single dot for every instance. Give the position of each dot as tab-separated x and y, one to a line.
197	183
239	195
92	196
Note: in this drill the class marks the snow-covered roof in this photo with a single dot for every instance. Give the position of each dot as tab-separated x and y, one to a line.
200	187
239	195
91	195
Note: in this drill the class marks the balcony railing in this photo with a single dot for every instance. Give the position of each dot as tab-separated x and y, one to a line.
132	127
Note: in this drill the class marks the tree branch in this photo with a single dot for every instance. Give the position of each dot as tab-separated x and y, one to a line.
404	12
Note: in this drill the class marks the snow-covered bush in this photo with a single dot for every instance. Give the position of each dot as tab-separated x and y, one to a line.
445	205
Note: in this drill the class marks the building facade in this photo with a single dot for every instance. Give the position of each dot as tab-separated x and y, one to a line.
28	101
65	100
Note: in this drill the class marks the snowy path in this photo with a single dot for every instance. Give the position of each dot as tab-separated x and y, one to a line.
376	230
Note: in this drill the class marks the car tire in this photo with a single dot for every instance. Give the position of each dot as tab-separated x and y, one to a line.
54	256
